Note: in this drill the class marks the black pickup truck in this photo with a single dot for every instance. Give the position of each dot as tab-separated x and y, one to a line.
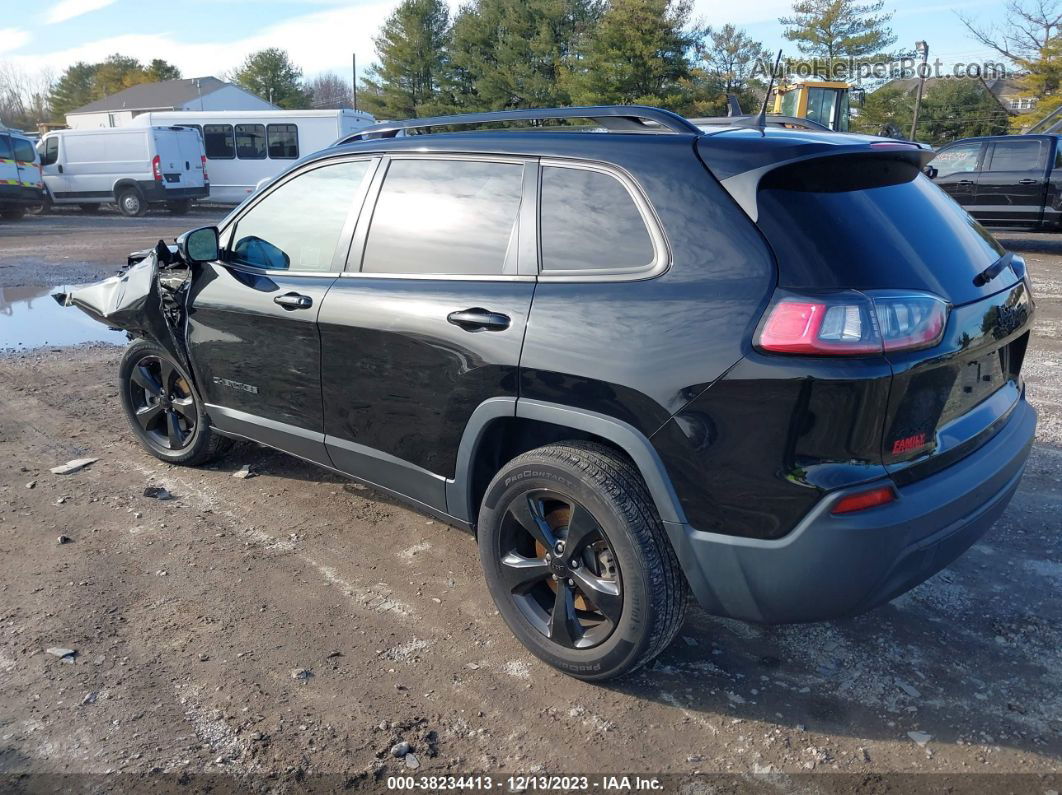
1010	181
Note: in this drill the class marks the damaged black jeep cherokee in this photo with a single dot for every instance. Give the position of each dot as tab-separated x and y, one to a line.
778	369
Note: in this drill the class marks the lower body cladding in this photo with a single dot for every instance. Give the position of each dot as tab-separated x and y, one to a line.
838	565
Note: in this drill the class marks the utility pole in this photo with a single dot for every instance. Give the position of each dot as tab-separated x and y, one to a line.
354	75
922	49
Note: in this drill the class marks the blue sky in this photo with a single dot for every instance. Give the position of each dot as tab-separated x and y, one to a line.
205	37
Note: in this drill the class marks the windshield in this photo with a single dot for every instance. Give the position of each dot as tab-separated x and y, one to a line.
864	222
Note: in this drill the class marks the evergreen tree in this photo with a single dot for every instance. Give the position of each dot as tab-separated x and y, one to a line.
639	53
411	52
513	53
158	70
73	89
951	109
270	74
832	29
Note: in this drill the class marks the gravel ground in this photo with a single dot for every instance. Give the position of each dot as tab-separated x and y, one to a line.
293	625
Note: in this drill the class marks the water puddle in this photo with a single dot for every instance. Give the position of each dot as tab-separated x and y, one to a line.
30	318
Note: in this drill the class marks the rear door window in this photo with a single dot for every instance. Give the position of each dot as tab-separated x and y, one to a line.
1026	155
283	141
23	150
446	217
959	159
217	141
250	141
298	226
590	222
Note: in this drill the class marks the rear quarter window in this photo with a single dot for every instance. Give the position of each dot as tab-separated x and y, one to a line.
590	222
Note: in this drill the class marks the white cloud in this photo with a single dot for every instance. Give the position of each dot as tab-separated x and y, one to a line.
317	42
12	38
68	9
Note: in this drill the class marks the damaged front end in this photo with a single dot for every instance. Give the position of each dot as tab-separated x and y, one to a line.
146	299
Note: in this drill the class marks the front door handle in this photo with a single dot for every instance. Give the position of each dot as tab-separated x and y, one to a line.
1028	181
478	319
294	301
964	182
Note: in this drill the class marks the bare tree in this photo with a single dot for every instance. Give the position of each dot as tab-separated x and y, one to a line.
1030	25
329	90
24	96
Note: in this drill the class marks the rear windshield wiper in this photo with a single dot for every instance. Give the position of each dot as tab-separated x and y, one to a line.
993	270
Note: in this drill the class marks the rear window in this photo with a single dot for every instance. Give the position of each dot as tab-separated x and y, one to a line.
23	150
864	223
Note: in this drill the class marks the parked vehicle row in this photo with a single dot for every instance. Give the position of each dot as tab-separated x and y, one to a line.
638	364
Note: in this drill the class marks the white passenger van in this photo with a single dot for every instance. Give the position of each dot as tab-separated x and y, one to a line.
243	148
133	168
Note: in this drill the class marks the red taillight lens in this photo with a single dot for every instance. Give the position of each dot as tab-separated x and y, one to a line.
156	168
206	177
864	500
851	323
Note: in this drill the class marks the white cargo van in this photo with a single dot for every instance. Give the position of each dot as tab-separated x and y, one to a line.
133	167
20	175
245	147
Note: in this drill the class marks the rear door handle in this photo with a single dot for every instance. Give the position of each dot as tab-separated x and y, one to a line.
478	319
964	182
294	301
1028	182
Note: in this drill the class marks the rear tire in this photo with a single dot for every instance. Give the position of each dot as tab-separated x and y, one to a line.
609	596
179	206
164	410
131	202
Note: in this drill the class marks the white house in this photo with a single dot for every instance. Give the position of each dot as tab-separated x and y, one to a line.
196	93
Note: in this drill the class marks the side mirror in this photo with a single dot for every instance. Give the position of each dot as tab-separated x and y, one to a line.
930	171
199	245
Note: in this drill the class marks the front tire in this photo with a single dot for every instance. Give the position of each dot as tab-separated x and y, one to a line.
43	208
163	409
131	203
577	560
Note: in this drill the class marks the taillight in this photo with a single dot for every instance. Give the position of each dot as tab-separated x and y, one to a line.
852	322
864	500
206	178
156	168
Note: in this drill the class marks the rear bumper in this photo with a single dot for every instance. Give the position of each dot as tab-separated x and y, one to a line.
835	566
158	192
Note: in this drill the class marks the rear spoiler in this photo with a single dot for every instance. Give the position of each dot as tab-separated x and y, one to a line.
743	185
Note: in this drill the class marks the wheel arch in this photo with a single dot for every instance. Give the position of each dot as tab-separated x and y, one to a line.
502	428
124	183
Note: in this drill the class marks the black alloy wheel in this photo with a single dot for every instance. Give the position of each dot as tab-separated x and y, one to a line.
560	570
162	403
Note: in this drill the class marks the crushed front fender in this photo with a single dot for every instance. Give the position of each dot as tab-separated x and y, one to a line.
136	302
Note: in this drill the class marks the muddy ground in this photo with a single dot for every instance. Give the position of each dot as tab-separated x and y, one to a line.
294	624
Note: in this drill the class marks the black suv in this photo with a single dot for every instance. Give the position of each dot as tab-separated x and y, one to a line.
777	368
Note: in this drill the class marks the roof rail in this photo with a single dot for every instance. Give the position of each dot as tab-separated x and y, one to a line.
771	120
614	118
